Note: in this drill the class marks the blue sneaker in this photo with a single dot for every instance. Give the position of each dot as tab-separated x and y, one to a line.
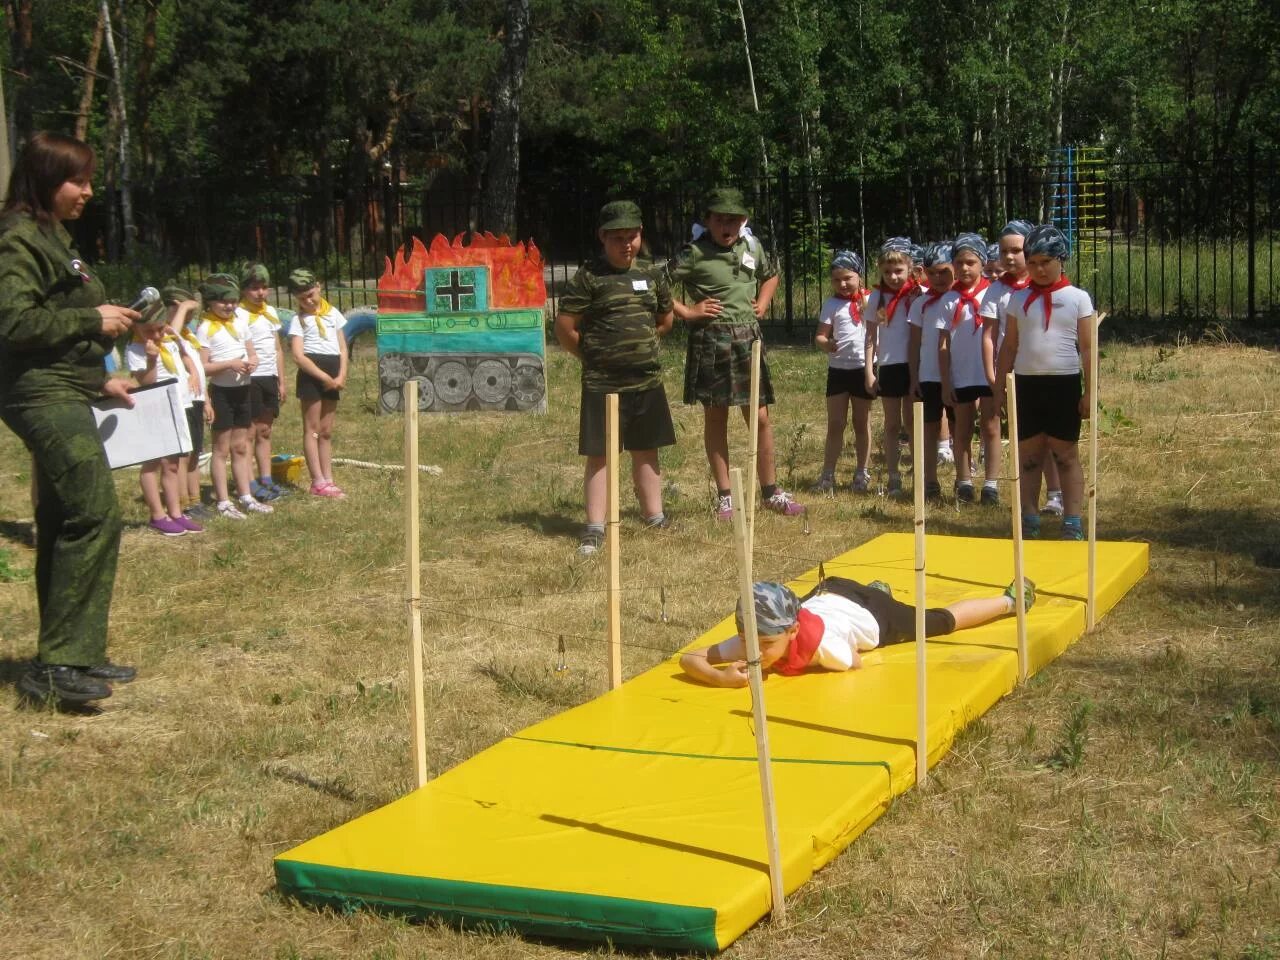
280	491
1072	531
1030	526
260	491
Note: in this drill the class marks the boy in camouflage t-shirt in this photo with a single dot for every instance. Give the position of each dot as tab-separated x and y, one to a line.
611	316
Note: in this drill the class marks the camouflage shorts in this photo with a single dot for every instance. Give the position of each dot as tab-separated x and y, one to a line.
717	370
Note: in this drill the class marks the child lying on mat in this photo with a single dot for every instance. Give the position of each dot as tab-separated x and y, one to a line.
832	626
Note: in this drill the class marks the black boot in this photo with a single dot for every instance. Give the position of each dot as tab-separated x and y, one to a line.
114	672
44	680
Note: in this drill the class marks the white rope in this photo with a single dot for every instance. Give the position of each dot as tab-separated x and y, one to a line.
422	467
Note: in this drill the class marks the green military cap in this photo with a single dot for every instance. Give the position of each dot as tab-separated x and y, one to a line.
300	280
727	200
620	215
219	286
251	273
172	293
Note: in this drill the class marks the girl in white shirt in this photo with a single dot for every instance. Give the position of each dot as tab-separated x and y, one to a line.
1047	341
842	336
267	385
319	349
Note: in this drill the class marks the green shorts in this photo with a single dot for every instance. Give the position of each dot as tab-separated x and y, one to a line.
717	369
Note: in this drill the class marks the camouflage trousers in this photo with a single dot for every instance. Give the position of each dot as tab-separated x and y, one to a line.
77	530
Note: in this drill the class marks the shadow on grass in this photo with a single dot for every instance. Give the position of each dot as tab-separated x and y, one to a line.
21	532
1242	531
546	524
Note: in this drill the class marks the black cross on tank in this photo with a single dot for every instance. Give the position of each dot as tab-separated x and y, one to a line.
455	290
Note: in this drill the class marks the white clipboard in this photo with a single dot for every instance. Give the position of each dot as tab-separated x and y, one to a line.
154	427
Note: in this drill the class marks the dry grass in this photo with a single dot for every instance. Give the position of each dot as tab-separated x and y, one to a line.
1123	804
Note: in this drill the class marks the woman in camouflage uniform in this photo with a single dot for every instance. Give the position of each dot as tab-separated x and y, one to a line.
55	331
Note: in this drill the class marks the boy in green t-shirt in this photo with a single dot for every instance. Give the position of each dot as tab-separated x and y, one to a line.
610	317
729	278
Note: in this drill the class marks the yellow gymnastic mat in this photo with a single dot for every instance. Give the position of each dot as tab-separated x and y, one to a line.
636	817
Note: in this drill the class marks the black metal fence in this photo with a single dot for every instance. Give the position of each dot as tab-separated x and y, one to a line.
1190	244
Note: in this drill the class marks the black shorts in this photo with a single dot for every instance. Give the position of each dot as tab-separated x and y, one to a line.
895	380
231	407
264	396
195	426
644	421
308	387
896	620
971	394
931	394
852	382
1050	405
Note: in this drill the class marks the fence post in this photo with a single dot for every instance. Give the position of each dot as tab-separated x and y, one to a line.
787	273
1252	221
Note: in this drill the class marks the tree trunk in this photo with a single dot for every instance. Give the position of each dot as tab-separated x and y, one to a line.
126	189
504	139
18	13
142	90
90	76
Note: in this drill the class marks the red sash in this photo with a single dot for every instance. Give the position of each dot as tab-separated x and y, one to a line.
969	298
1013	283
894	298
1047	293
855	306
803	645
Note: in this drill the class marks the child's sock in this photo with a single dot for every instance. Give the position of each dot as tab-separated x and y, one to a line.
594	528
723	493
657	520
768	490
990	484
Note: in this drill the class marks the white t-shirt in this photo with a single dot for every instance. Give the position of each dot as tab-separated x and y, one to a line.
312	340
1054	350
893	337
263	332
996	306
222	346
967	369
848	628
135	355
194	353
850	337
930	318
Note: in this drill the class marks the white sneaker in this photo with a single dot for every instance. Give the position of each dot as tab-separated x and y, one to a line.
826	483
1053	505
945	456
251	505
228	511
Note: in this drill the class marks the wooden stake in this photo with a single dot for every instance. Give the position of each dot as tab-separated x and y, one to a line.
413	565
753	451
1091	603
1015	458
758	715
611	539
922	703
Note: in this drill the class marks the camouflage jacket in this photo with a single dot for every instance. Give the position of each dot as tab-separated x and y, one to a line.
619	311
51	345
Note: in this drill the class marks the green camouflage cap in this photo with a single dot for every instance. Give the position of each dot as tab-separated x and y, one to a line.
620	215
153	312
171	293
219	286
727	200
300	280
251	273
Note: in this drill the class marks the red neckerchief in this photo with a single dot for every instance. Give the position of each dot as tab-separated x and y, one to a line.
855	306
1013	283
803	645
1047	293
894	298
930	297
969	298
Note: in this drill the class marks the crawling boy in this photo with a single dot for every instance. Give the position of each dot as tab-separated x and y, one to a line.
833	626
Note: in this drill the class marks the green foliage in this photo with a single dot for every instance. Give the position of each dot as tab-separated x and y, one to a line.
1069	754
8	572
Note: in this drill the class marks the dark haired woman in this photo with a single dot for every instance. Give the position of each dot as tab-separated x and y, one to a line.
55	331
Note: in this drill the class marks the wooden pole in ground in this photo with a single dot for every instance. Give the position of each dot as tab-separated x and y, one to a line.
758	715
1091	604
414	580
614	597
922	703
1015	458
753	446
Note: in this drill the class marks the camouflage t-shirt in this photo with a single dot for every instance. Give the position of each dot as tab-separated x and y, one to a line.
732	275
619	311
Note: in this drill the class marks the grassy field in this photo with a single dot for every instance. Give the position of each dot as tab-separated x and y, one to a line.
1124	803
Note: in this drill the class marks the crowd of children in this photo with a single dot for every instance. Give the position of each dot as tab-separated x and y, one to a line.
944	324
224	353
